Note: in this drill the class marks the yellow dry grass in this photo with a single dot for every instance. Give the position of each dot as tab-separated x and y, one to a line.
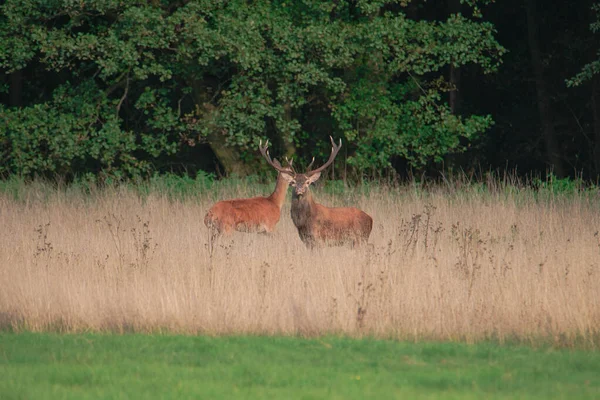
440	265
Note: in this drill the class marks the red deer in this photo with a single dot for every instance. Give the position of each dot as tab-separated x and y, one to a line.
316	223
257	214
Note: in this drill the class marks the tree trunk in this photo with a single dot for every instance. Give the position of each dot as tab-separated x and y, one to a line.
454	97
287	142
228	156
16	89
543	100
596	117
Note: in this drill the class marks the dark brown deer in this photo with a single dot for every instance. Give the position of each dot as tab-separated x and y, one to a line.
257	214
316	223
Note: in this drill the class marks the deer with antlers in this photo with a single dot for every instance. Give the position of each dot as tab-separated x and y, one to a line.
257	214
316	223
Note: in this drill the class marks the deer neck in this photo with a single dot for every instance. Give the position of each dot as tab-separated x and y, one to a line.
302	208
278	195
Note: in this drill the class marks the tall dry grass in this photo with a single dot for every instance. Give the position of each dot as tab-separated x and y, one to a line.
442	264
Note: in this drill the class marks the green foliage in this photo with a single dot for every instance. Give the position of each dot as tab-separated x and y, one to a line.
333	192
591	69
381	124
555	186
162	366
115	85
61	136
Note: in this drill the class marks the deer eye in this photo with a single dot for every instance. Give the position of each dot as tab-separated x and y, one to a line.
293	183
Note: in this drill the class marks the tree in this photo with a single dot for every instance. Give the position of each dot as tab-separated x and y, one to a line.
591	69
589	74
543	98
114	85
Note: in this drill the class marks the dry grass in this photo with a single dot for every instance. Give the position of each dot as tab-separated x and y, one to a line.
441	265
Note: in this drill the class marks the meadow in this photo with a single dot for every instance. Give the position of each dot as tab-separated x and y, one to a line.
132	366
454	262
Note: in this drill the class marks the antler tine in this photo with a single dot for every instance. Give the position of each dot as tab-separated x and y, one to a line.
264	150
311	163
290	162
334	150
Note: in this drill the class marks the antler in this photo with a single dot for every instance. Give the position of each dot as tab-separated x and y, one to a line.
290	161
264	150
334	150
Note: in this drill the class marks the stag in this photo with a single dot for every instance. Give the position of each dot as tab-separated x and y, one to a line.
257	214
316	223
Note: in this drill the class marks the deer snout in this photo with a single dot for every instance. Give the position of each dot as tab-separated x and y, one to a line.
300	190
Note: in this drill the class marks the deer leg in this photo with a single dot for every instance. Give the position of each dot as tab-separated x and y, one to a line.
213	236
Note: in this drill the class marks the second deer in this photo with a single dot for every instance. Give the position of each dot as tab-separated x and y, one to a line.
257	214
317	224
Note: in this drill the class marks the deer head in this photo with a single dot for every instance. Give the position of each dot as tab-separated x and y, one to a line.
300	182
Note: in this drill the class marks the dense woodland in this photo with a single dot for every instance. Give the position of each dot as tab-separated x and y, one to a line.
118	89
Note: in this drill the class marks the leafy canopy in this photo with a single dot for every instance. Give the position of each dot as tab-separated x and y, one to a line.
114	85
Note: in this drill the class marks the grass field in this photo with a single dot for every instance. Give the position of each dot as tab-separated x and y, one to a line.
53	366
455	262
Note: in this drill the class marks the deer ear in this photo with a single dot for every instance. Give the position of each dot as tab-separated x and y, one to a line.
276	162
288	178
313	178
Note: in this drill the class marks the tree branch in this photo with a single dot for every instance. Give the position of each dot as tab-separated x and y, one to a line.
124	95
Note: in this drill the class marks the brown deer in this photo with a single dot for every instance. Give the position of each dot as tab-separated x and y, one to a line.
316	223
257	214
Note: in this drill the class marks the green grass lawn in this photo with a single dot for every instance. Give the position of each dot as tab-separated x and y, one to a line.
53	366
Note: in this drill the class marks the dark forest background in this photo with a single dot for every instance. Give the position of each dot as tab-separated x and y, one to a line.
110	90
